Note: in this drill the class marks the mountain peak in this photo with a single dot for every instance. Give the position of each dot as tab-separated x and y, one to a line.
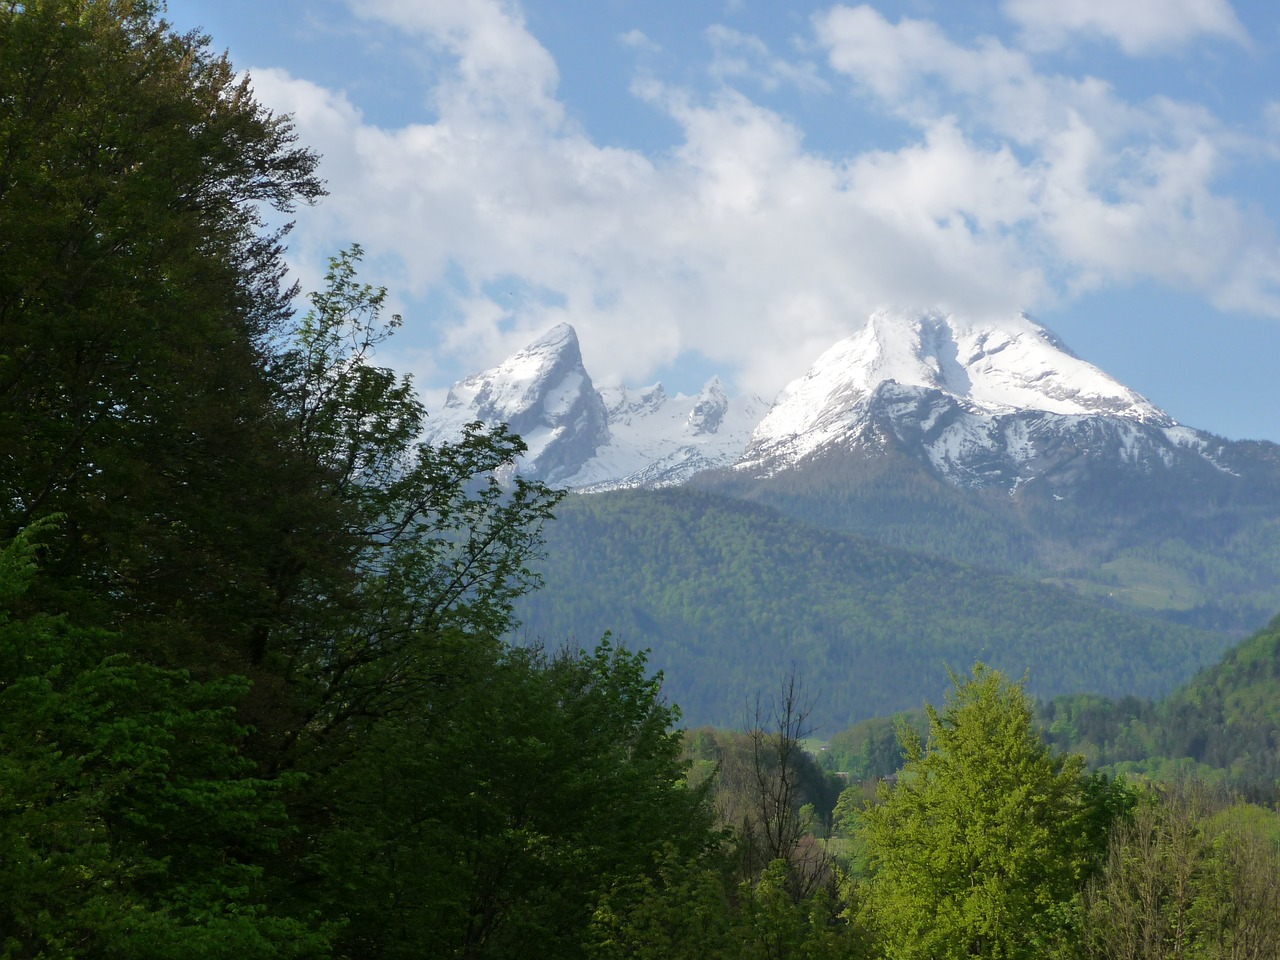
982	370
561	338
597	439
544	394
709	408
996	366
983	403
502	393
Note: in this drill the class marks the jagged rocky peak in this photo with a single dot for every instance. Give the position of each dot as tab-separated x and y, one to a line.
982	403
585	438
709	408
544	394
626	402
943	385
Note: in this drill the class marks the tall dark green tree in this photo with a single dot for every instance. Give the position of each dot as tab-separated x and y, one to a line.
130	824
240	495
491	825
138	292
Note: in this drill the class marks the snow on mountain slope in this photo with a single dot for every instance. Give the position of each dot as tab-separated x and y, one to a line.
659	441
580	437
977	400
992	403
546	396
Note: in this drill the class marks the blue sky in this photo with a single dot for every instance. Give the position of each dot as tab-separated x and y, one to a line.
731	187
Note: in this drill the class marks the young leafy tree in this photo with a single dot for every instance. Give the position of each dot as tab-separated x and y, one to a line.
432	543
1184	879
985	842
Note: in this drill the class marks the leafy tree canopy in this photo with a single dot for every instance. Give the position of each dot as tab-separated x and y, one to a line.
985	841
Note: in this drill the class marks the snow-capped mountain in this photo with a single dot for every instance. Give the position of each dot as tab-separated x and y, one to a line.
545	395
656	440
984	404
590	439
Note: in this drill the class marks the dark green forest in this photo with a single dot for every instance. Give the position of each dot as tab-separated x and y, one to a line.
728	594
1220	728
1194	545
255	697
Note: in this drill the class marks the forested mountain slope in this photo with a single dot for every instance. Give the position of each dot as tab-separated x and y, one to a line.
1223	724
730	596
1196	545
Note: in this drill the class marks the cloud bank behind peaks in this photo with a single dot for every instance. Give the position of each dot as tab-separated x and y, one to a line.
500	68
1009	189
1102	190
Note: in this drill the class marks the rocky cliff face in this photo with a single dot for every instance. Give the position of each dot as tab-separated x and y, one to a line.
591	439
545	395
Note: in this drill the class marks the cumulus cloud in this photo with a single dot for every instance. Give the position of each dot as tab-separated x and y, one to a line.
500	67
637	39
1102	189
740	243
1138	26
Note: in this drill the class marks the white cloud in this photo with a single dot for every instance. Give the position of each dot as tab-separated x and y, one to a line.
740	243
501	68
738	55
1102	190
1271	117
1137	26
637	39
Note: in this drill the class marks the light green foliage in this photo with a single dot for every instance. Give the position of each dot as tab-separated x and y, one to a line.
777	926
871	748
983	844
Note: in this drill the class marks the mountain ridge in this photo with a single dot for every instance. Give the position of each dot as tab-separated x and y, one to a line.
980	403
598	439
728	595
